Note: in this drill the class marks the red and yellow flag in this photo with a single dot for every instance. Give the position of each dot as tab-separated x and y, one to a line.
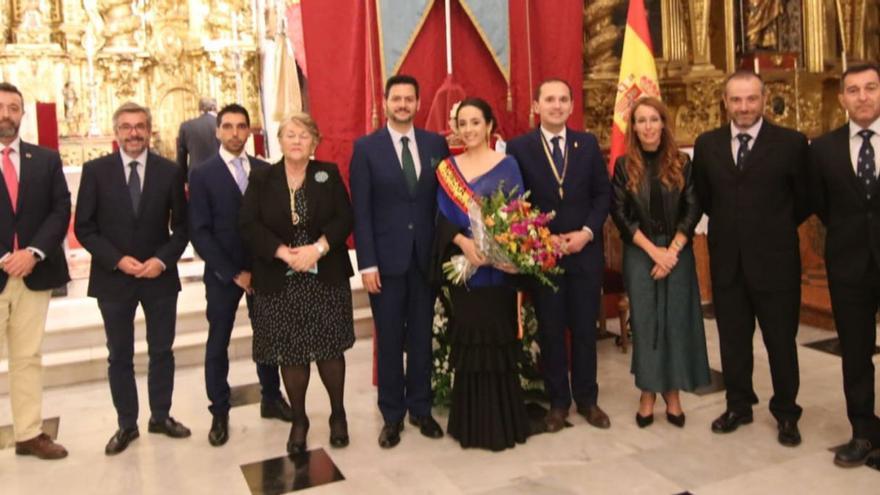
638	75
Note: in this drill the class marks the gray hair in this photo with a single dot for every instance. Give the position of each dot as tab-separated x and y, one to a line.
132	107
207	105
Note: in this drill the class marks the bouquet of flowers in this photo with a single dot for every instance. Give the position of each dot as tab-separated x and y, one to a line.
508	230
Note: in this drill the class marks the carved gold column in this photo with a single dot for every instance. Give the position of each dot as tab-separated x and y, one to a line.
814	35
699	15
601	35
675	40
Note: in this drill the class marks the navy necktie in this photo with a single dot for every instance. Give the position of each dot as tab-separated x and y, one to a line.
134	186
743	151
865	165
557	155
409	166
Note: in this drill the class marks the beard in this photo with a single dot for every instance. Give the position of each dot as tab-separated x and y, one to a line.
8	128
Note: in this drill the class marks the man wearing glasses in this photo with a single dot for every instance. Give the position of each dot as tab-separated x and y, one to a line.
131	217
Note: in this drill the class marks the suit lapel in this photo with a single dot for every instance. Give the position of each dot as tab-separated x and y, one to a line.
723	150
841	148
225	175
391	162
427	170
278	187
763	143
151	179
117	174
25	173
311	196
539	158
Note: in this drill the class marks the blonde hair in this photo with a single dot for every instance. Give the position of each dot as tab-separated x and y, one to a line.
303	119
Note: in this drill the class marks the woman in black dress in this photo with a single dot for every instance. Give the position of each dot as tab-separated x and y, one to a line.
655	208
296	217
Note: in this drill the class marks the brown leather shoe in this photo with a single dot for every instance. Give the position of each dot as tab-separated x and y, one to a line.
595	416
555	420
42	447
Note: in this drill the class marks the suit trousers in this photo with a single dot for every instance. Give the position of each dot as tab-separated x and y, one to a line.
855	308
777	311
575	306
404	313
161	318
22	324
222	304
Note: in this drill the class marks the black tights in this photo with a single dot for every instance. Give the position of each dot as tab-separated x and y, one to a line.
296	382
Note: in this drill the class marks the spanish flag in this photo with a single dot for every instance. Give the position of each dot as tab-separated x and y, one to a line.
638	75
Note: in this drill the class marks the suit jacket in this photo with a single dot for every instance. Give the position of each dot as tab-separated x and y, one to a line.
852	240
754	213
389	223
41	217
632	211
214	204
109	228
197	141
587	192
265	222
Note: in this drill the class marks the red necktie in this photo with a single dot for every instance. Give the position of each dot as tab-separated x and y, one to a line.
11	180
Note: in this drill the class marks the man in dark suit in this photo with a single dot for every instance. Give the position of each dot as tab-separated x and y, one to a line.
34	214
565	171
751	178
847	199
215	192
197	138
393	191
126	204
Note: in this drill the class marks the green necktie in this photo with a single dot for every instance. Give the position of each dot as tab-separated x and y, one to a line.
409	166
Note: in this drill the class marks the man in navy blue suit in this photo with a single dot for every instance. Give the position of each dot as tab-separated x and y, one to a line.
216	188
393	191
566	173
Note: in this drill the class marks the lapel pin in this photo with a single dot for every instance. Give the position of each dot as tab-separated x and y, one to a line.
27	155
575	144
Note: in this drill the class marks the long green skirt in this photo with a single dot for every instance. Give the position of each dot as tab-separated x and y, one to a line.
669	340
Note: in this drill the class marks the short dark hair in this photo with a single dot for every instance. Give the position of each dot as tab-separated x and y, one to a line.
6	87
858	68
744	74
233	108
537	94
481	105
401	79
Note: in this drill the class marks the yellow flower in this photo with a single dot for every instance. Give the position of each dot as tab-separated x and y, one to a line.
489	221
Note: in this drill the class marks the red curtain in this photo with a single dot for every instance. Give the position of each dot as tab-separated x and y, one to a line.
47	125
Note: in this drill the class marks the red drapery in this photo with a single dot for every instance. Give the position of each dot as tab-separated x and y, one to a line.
47	125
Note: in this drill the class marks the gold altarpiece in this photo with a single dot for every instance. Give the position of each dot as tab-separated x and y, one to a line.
702	40
89	56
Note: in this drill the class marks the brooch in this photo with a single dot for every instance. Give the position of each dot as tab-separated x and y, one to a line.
321	176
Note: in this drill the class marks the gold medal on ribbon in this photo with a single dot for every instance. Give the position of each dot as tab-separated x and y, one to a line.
560	178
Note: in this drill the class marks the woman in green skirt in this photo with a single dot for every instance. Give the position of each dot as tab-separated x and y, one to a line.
655	208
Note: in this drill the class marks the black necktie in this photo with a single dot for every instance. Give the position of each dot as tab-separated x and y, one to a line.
557	155
743	151
134	186
865	164
409	166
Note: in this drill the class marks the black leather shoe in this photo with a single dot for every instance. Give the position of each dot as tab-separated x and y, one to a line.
855	453
120	440
427	426
390	435
644	421
338	432
169	427
219	433
730	421
276	409
296	441
789	435
675	419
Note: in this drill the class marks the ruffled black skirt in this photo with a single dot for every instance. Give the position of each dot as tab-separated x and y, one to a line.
487	408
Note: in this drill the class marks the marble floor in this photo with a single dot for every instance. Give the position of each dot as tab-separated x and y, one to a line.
660	459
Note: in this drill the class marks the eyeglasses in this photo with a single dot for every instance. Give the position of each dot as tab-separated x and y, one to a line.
126	128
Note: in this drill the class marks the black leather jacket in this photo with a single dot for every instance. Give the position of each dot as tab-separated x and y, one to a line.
631	212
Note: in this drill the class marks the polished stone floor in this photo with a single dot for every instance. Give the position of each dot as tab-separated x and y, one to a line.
660	459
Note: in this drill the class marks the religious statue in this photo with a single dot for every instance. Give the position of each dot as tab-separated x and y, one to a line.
33	26
762	28
70	100
120	23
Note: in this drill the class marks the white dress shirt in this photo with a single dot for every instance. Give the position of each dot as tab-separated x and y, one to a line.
229	157
412	145
855	144
141	165
751	131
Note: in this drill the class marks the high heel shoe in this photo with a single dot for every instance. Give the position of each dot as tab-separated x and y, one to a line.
294	447
677	420
644	421
338	431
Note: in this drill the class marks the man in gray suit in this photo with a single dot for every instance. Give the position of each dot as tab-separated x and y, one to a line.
197	138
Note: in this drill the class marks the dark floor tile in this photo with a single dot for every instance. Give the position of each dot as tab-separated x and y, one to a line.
7	439
716	385
244	395
831	346
285	474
